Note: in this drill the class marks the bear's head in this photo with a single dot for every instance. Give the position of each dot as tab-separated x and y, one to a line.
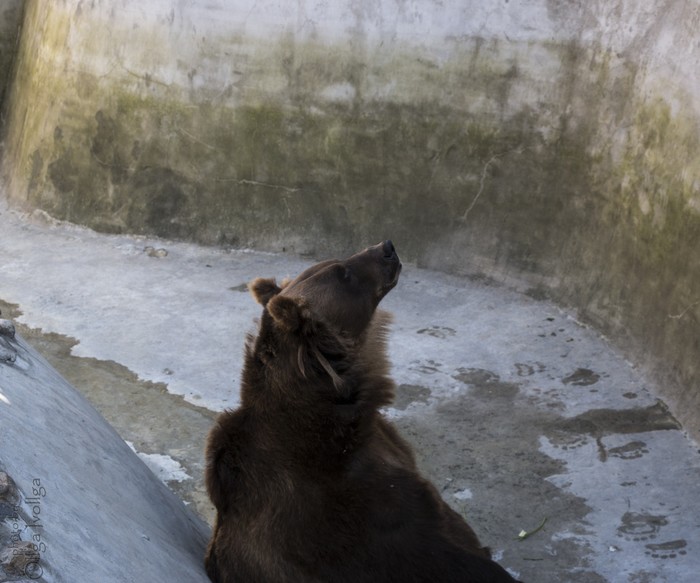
341	294
327	309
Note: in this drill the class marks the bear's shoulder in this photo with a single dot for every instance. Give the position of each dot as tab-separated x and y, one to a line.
224	451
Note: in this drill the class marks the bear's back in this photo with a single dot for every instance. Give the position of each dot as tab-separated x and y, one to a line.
374	519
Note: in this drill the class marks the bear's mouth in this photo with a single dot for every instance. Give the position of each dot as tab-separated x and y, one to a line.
392	284
387	288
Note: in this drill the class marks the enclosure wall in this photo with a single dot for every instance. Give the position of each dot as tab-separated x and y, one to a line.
548	142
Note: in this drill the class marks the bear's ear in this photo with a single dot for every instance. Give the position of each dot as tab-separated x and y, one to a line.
264	289
287	313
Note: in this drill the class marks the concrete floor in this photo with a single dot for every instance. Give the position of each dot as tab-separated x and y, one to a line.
518	413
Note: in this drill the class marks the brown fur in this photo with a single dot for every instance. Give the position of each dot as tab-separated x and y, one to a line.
310	482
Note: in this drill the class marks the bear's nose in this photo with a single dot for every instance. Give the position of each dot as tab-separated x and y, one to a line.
389	251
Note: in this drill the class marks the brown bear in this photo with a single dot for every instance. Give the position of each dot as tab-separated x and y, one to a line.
310	482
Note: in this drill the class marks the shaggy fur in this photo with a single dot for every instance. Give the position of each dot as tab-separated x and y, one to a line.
310	482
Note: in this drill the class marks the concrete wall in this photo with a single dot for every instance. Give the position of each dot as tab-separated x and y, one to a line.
552	142
10	21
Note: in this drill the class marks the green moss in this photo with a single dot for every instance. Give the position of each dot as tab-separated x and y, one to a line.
10	21
297	165
442	154
658	182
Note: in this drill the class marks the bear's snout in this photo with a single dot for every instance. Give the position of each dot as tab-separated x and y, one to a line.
389	251
385	253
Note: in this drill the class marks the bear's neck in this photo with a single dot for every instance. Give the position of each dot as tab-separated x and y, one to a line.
309	418
270	386
303	408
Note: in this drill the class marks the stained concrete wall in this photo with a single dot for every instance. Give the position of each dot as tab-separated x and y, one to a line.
551	142
10	22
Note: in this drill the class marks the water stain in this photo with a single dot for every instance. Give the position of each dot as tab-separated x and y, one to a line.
438	331
429	366
142	412
475	376
642	576
486	450
629	451
243	287
598	423
486	384
667	550
640	527
407	394
538	293
581	377
525	369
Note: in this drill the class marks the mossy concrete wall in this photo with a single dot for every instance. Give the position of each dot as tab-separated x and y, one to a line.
10	22
551	142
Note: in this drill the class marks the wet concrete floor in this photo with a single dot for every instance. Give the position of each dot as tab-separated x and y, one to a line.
520	415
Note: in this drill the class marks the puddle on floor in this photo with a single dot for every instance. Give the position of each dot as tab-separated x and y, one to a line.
481	448
598	423
144	413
